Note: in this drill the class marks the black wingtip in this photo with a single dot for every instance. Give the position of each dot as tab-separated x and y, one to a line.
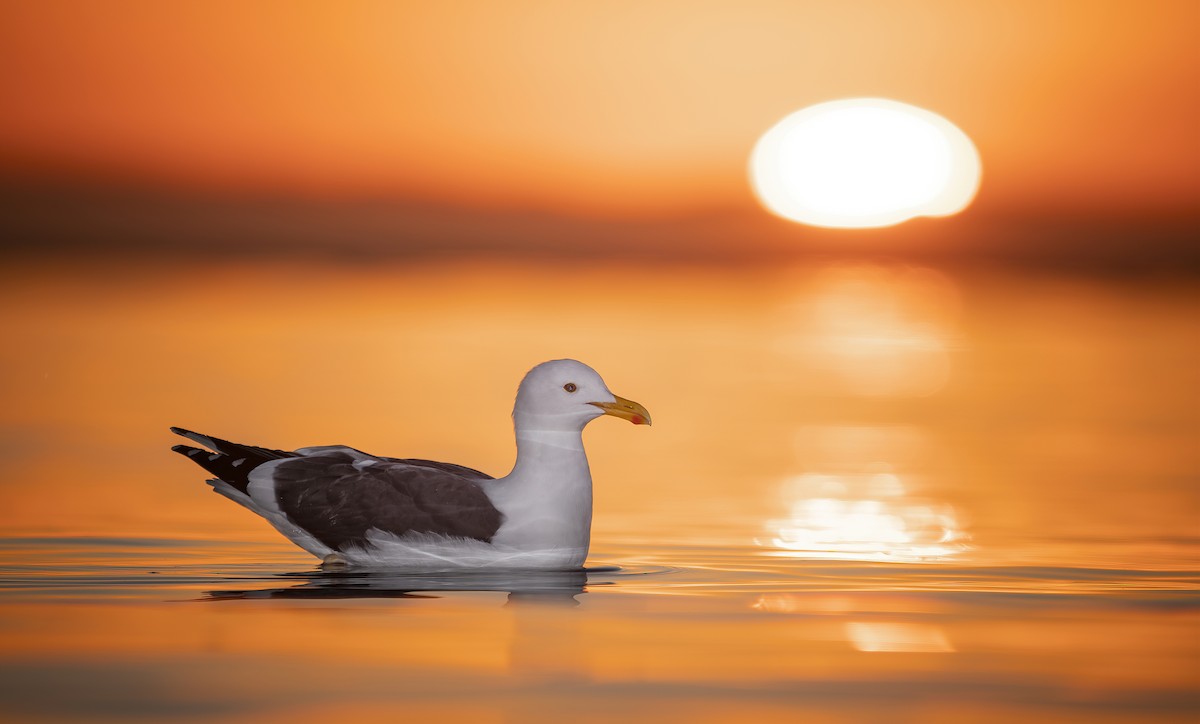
179	430
187	450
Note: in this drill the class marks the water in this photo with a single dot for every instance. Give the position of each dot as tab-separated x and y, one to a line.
158	630
872	493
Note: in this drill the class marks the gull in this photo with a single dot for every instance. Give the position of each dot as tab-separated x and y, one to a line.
348	507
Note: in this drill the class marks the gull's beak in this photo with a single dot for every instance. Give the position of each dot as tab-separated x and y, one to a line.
626	410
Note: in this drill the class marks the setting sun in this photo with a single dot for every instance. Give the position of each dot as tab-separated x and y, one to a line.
864	162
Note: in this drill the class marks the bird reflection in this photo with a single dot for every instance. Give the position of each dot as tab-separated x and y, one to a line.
523	587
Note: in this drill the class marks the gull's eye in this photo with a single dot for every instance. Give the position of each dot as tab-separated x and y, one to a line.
570	387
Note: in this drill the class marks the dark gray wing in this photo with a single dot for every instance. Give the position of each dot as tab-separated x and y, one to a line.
338	502
460	470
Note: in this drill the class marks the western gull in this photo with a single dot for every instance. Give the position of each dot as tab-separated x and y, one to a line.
348	507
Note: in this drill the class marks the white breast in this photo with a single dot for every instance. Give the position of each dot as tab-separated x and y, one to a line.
547	499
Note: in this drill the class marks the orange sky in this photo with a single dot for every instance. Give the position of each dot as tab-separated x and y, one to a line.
604	108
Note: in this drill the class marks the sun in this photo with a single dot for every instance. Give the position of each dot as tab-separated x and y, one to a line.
864	162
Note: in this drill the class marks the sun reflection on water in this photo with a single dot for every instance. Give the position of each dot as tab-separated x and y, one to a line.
872	331
863	517
868	332
906	636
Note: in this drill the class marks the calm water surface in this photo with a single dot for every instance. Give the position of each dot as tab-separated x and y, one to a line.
872	493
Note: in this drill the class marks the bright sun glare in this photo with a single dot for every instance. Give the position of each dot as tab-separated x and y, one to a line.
864	162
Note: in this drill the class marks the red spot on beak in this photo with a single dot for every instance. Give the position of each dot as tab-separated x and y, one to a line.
637	420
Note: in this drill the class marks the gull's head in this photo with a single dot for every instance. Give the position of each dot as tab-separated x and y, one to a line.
564	394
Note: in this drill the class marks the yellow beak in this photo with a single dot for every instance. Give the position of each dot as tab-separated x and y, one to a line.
626	410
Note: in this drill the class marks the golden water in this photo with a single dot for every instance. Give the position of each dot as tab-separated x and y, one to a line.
873	492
